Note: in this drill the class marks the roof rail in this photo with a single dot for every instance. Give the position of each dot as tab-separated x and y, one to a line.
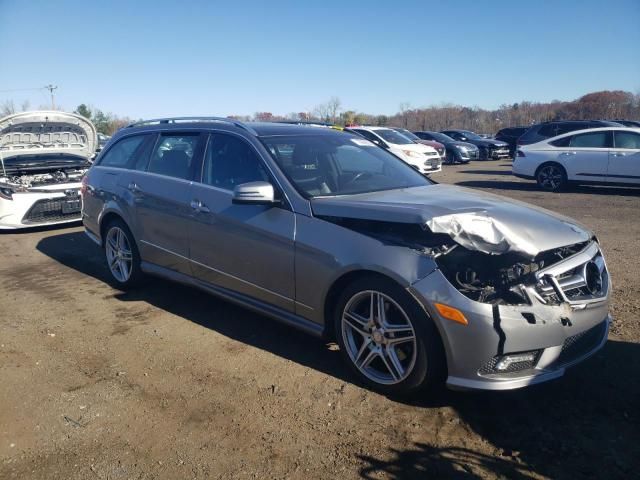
159	121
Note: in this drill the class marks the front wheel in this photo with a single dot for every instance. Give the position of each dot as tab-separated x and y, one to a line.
386	338
551	177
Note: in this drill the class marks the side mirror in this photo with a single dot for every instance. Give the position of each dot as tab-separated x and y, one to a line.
255	193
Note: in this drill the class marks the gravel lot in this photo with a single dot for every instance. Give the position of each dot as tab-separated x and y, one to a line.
167	382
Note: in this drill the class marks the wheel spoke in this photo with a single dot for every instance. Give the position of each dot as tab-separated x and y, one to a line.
365	347
367	360
112	243
113	261
395	370
124	269
356	322
399	340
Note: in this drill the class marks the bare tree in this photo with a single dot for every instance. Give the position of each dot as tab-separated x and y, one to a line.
7	108
333	106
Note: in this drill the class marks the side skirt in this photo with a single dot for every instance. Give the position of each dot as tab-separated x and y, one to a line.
250	303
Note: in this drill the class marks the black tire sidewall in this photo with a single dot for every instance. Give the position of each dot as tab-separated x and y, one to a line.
429	366
562	185
136	271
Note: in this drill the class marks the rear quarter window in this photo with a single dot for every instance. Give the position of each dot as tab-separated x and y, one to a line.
121	153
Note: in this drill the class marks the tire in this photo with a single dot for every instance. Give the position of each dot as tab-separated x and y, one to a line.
121	255
551	177
450	158
400	362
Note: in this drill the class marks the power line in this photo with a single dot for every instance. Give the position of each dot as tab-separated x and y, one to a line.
21	89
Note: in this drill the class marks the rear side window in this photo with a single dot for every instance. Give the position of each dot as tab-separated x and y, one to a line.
174	155
628	140
122	152
589	140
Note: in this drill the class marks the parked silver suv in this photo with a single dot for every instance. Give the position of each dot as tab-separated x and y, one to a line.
327	232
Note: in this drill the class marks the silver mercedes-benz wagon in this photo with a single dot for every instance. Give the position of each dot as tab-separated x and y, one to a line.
417	282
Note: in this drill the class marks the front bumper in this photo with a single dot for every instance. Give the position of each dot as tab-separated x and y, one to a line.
432	165
561	334
40	207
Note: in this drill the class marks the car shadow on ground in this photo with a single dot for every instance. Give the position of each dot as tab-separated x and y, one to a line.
488	172
585	425
533	187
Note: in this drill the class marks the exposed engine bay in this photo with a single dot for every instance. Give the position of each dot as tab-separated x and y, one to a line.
497	279
29	180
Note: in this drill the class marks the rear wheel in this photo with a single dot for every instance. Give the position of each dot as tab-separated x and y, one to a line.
386	338
121	254
551	177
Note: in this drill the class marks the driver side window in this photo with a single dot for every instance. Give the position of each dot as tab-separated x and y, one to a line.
230	161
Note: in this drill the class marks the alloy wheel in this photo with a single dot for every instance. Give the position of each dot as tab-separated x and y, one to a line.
119	254
550	177
379	337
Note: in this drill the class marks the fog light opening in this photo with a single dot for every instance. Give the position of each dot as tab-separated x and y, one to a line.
507	361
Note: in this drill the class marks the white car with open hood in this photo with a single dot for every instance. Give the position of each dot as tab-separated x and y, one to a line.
43	156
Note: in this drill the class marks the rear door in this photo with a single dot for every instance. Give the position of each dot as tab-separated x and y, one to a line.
162	199
243	248
585	156
624	158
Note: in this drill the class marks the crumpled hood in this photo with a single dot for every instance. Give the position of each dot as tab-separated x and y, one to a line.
476	220
45	131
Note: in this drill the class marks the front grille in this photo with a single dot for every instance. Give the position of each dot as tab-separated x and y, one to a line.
49	210
579	345
490	366
586	281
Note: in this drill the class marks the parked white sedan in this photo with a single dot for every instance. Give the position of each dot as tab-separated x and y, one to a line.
597	155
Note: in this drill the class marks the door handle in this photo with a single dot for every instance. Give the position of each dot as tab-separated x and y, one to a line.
198	206
619	154
568	153
133	187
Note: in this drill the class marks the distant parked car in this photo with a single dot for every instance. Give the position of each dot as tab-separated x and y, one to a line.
489	149
597	155
423	158
628	123
510	136
432	143
456	152
485	135
542	131
102	140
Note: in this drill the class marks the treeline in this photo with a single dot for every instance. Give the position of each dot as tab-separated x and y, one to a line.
597	105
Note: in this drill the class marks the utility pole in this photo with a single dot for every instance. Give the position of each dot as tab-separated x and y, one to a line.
51	88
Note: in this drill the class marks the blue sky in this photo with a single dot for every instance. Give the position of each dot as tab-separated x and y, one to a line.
156	58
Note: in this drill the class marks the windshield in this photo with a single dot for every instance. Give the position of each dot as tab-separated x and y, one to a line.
394	137
471	135
408	134
339	164
441	137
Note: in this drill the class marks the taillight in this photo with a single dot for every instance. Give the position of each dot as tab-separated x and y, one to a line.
84	185
521	153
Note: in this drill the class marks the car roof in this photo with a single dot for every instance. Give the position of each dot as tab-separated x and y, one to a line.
589	130
258	129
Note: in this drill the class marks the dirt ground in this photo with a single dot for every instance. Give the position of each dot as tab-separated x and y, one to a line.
168	382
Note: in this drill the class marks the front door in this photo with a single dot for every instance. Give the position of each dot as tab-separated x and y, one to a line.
244	248
624	158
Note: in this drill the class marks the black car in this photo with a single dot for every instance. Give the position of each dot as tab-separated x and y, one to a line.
489	149
457	152
628	123
510	135
542	131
